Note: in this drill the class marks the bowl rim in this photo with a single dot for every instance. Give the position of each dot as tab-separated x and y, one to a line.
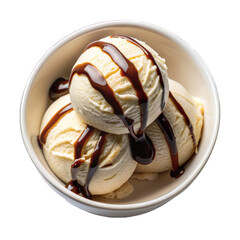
130	23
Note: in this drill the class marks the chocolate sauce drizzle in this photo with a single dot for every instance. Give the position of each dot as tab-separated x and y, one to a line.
142	148
186	118
73	185
58	88
150	57
169	136
56	117
167	131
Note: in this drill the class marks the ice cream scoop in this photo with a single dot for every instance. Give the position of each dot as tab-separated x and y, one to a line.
91	161
176	132
119	85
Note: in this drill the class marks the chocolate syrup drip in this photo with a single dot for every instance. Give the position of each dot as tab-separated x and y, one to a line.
165	127
167	131
73	185
95	159
80	143
149	56
142	149
186	118
57	116
58	88
145	149
128	70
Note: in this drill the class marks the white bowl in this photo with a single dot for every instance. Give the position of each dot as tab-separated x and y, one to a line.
184	65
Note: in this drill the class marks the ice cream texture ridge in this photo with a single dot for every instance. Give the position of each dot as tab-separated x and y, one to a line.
118	117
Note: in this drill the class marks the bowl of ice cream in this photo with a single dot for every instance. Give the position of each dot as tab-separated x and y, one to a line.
124	138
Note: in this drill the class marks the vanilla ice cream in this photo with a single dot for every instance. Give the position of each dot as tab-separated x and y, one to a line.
122	114
186	142
115	165
136	80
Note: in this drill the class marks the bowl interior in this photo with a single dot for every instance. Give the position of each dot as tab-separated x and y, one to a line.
183	66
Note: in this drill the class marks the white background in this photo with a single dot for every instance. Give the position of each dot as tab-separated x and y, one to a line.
209	208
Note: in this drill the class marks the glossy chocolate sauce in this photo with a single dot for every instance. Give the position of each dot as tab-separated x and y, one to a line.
150	57
167	131
56	117
80	143
73	185
58	88
186	118
142	148
128	70
95	159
